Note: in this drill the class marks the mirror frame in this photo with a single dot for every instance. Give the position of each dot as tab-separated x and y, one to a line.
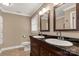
54	20
48	22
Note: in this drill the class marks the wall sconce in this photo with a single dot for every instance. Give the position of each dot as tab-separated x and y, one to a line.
40	13
43	11
7	4
55	4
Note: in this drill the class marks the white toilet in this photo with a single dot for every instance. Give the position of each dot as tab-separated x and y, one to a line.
26	46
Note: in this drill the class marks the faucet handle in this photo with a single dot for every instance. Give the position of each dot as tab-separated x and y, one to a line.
62	38
57	34
58	37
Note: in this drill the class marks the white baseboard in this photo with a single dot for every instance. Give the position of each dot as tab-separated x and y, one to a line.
9	48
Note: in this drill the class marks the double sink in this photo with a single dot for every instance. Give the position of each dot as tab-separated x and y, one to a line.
56	41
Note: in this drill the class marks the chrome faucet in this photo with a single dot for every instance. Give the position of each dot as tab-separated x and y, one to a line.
59	34
40	33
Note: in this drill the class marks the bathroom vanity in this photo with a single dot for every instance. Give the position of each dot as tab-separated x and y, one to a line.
41	48
66	18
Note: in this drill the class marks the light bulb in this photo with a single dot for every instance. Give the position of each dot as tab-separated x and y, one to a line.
7	4
43	11
40	13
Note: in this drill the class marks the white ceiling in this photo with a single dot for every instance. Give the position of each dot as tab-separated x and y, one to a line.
26	9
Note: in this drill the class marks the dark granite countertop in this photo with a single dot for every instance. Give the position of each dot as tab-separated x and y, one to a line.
72	49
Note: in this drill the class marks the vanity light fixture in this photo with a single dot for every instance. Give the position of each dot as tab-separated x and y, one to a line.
43	11
40	13
55	4
58	4
7	4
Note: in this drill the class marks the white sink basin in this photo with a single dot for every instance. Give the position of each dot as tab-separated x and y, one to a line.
59	42
38	36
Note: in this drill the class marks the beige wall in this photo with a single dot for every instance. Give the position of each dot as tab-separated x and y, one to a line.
15	26
74	34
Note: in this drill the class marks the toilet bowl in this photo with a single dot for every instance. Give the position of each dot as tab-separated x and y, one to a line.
26	46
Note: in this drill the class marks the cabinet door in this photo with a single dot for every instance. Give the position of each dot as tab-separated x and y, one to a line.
34	47
57	52
34	51
44	52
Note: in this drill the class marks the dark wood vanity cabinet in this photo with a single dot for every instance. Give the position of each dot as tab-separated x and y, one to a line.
45	51
48	50
35	47
41	48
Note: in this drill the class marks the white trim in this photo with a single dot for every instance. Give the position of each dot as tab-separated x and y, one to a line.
6	11
27	49
69	7
9	48
25	43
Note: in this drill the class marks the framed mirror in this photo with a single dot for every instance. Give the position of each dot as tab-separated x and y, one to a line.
45	22
65	17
